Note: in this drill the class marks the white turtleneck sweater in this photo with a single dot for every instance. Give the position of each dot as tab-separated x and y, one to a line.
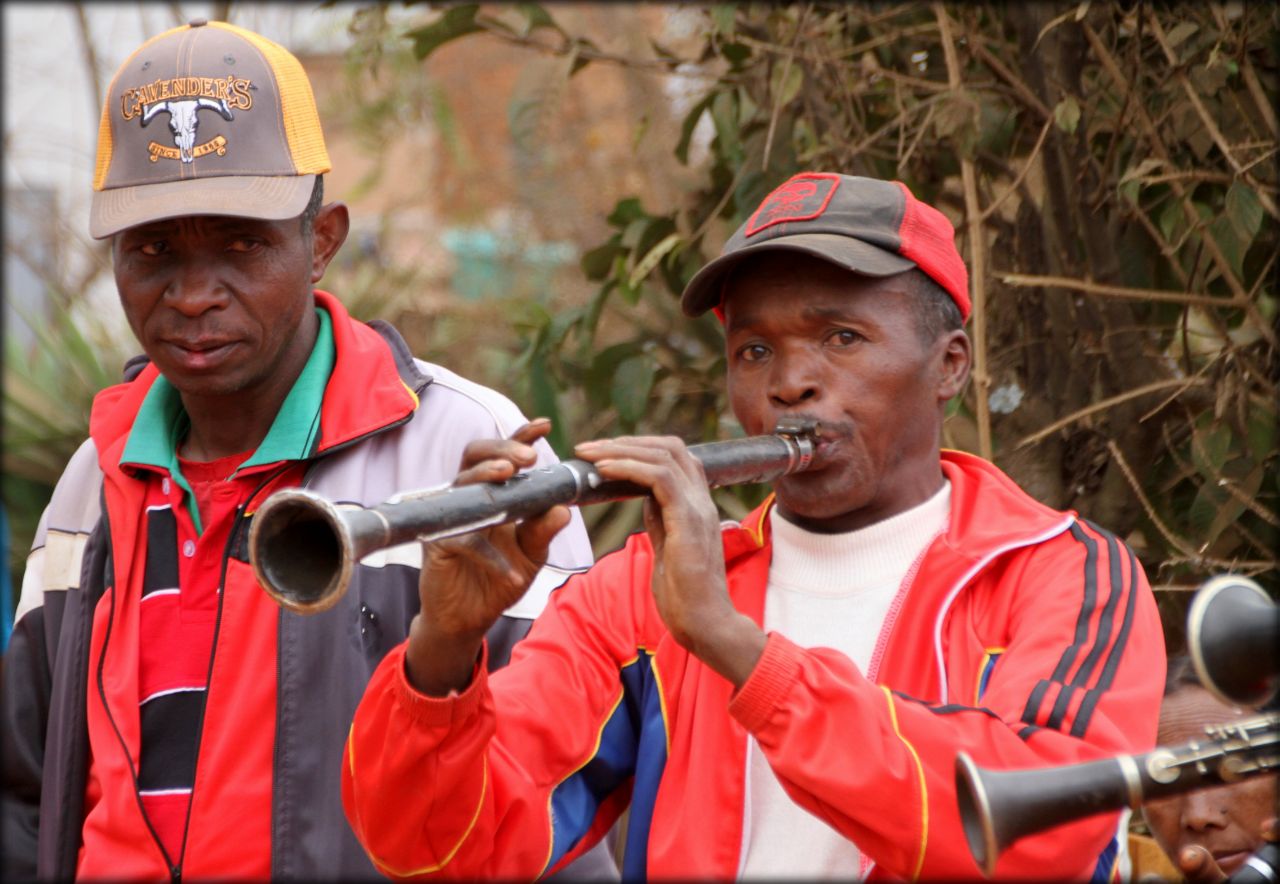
833	591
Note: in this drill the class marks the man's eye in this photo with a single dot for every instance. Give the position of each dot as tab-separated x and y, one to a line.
154	248
843	337
244	244
753	352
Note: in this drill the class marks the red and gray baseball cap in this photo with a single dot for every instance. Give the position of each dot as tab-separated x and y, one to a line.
206	119
868	226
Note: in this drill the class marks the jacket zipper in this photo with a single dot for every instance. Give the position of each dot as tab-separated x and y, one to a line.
175	873
175	869
237	523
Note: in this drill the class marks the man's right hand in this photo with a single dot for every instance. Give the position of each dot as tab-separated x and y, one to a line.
469	580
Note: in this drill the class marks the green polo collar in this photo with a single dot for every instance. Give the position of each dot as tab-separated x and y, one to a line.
162	422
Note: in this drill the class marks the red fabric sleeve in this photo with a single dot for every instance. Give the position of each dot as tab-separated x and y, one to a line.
444	787
880	767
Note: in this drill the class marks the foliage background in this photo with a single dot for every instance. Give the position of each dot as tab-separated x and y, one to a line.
1110	169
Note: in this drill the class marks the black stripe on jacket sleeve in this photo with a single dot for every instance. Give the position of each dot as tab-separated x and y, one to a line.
1087	605
1117	651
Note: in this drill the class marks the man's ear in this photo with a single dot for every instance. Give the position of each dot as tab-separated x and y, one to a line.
956	357
328	233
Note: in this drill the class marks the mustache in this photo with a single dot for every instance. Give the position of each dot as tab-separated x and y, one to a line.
825	430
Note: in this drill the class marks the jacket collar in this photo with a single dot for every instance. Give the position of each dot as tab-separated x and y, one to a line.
990	515
988	509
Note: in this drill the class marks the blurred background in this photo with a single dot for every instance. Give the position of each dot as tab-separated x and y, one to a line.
531	185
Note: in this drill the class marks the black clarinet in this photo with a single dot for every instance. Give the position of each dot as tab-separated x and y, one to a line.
304	548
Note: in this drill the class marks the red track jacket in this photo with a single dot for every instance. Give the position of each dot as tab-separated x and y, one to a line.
1026	637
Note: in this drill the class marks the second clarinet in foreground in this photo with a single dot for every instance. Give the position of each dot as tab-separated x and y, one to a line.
304	547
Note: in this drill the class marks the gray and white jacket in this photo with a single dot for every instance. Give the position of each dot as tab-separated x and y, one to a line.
324	660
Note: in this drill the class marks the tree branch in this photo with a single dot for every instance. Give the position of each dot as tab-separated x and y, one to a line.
1026	280
1103	405
1193	217
977	250
1210	126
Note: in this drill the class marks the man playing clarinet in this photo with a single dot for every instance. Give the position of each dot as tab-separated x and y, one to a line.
785	696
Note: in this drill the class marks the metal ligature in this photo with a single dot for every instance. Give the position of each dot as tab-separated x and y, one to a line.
304	547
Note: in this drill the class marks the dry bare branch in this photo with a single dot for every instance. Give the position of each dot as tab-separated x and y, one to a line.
1116	291
977	250
1103	405
1179	543
1022	174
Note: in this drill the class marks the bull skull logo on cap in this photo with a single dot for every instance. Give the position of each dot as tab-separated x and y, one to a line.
184	120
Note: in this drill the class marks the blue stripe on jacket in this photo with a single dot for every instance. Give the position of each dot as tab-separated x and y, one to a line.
633	744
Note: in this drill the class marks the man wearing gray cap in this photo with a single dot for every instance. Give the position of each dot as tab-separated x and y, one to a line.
163	718
782	697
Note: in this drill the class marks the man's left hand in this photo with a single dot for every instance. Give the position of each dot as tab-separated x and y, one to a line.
688	582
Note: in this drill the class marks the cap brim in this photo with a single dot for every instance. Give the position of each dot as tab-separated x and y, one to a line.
245	196
704	291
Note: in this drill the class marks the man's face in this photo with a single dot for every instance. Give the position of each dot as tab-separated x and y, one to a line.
1226	820
217	302
808	339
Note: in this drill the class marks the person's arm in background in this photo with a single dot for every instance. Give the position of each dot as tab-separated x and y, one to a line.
25	709
51	593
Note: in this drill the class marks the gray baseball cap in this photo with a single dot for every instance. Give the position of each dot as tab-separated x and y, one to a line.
868	226
206	119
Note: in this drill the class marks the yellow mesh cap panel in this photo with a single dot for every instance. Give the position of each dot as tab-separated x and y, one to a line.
105	145
297	103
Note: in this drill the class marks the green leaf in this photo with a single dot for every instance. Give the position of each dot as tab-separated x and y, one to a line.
597	262
1067	114
1261	433
625	211
722	19
1171	220
1179	33
735	53
630	294
1224	233
562	323
642	129
1231	507
457	21
689	124
1210	449
631	385
577	61
724	115
650	260
543	393
1245	210
537	17
783	91
597	380
633	233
